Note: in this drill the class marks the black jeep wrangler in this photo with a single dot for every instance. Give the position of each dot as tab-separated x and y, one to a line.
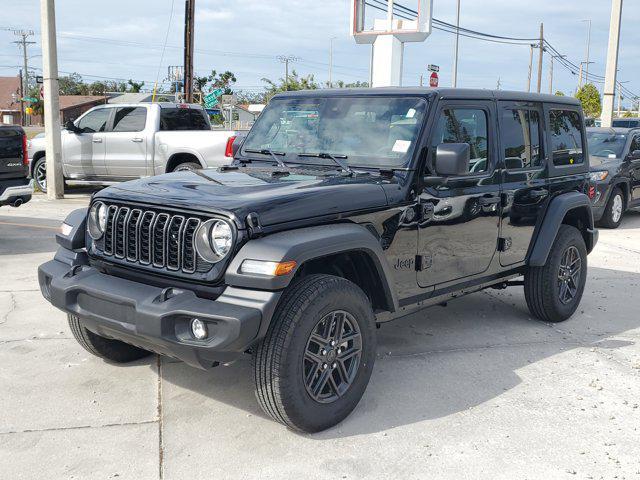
343	209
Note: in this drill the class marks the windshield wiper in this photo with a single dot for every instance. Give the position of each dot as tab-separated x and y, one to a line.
338	159
268	151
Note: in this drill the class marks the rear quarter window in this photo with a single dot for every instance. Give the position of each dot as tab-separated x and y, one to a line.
183	119
566	137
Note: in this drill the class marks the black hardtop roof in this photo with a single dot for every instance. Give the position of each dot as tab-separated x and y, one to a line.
448	93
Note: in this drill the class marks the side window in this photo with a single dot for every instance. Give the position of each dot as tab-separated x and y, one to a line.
95	121
198	120
130	119
566	137
520	132
463	125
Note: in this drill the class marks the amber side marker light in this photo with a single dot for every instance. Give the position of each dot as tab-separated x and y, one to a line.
272	269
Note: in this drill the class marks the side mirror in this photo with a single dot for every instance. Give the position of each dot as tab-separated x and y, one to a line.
635	155
452	159
69	125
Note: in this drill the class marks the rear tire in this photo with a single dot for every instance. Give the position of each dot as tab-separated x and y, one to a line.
614	210
40	174
113	350
296	383
553	291
187	167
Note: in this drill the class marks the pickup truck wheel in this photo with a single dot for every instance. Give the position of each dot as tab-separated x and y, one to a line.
612	216
553	291
187	167
40	174
316	359
106	348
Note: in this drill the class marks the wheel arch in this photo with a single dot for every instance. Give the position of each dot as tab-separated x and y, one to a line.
346	250
182	157
36	156
571	208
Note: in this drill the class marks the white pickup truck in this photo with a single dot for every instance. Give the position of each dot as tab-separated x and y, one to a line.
114	143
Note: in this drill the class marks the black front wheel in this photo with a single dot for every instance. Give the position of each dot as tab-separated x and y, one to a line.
315	362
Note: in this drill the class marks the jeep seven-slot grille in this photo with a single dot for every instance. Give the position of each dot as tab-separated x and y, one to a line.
153	239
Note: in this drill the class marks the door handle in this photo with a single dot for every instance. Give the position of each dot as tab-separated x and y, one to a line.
486	201
137	140
538	193
97	140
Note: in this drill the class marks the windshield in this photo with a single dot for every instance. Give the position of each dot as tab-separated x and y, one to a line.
606	144
366	131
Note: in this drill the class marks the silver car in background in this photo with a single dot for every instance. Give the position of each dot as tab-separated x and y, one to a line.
115	143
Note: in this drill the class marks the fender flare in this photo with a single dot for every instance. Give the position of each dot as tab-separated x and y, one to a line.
304	244
548	230
185	151
75	240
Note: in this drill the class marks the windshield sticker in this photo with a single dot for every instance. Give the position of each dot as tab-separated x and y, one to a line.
612	155
411	113
401	146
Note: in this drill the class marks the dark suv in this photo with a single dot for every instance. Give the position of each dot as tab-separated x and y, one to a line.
343	209
615	172
15	187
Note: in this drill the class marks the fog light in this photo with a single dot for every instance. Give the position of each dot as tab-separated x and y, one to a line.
199	329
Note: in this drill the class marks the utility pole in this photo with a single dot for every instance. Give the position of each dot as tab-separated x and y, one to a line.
331	39
454	76
22	114
580	76
619	95
612	63
551	71
541	47
55	182
588	48
531	47
286	59
421	79
189	8
24	34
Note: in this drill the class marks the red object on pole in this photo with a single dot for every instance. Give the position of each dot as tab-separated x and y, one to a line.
433	80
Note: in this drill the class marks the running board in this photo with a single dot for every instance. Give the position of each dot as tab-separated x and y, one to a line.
90	183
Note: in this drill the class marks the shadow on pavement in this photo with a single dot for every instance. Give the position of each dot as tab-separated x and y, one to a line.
441	361
22	235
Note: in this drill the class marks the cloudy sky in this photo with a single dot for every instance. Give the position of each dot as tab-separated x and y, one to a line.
120	39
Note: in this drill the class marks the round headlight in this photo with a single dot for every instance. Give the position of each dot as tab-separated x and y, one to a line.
214	240
97	221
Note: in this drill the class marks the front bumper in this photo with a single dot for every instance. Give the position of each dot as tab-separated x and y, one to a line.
153	318
17	192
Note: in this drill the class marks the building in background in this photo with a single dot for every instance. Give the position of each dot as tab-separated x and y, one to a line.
72	106
10	100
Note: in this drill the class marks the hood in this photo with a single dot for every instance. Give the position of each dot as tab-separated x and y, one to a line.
276	199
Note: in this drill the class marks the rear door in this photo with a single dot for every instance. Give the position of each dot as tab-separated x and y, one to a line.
11	152
460	239
126	143
525	188
83	152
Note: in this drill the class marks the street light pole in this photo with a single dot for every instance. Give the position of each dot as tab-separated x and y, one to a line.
541	47
454	76
530	67
612	63
588	48
331	39
55	182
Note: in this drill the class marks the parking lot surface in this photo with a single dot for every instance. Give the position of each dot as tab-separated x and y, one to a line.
478	389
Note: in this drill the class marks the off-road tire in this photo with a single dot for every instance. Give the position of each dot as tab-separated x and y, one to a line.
278	359
187	167
607	220
112	350
541	288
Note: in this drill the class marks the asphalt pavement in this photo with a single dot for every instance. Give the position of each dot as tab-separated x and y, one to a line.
476	390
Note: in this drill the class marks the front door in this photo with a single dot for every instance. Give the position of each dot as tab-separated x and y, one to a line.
525	173
459	235
127	143
84	151
634	171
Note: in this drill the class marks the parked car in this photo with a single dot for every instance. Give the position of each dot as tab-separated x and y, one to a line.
15	187
615	171
114	143
625	123
323	228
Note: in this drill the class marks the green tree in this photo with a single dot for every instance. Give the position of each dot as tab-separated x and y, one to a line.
73	84
560	93
135	87
295	82
590	99
223	80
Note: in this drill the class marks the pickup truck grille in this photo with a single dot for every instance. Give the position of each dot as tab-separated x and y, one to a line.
152	239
